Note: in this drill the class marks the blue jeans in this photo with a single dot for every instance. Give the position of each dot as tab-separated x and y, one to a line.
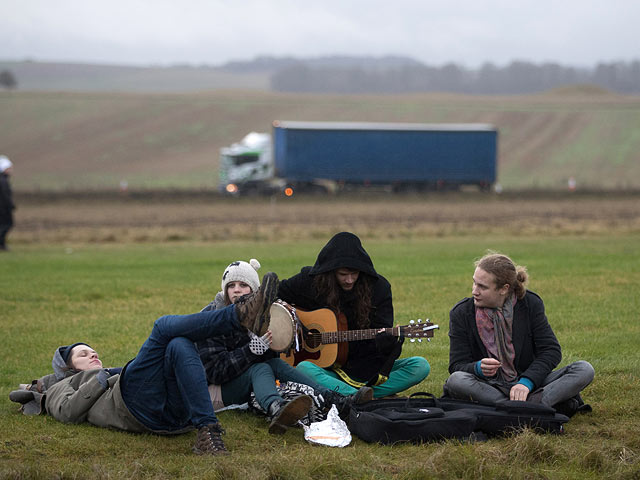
165	386
261	379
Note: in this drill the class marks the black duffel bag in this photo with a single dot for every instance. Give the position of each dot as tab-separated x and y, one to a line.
423	418
506	416
409	420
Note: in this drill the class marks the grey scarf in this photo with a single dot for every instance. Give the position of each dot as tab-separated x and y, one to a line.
495	328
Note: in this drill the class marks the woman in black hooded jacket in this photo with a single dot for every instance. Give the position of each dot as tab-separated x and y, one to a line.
344	280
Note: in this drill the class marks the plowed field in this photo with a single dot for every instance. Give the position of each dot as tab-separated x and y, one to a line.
125	219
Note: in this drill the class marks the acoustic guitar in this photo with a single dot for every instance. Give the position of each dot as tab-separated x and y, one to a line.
326	340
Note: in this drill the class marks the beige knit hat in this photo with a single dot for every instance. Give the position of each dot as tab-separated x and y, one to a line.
242	272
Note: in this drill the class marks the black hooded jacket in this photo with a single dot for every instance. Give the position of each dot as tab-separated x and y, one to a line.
6	201
367	358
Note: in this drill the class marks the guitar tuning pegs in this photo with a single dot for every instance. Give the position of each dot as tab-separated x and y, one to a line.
420	340
412	340
428	339
419	320
412	322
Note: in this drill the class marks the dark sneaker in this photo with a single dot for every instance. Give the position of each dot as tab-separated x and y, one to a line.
363	395
343	403
21	396
572	405
253	310
567	407
287	414
209	441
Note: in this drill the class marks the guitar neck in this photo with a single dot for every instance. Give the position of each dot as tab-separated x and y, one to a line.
355	335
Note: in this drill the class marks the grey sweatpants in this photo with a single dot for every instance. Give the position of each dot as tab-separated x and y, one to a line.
559	385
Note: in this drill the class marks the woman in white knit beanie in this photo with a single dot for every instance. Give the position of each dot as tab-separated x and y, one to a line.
240	278
240	363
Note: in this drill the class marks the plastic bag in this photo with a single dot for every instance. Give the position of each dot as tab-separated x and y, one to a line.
332	432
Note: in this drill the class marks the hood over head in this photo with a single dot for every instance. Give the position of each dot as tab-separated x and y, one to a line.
344	250
61	357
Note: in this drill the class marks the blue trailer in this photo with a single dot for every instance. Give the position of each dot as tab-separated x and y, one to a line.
312	155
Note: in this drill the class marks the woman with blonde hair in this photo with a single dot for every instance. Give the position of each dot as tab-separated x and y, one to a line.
502	346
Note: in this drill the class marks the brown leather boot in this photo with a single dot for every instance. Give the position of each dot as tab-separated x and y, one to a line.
253	310
209	441
286	414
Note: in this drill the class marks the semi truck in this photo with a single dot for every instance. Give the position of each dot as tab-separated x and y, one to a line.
333	156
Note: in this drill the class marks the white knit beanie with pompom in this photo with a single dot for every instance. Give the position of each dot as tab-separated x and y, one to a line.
242	272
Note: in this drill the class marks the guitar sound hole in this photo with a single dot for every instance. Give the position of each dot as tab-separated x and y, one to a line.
314	338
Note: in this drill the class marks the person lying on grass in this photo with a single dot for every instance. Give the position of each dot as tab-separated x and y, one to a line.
502	346
163	390
239	363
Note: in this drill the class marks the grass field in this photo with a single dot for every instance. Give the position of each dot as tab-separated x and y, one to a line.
109	292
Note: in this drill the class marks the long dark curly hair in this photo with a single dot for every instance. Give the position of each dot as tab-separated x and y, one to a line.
327	287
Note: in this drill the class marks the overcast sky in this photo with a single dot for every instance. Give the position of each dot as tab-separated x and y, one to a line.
212	32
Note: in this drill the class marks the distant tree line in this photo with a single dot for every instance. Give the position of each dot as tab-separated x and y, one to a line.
515	78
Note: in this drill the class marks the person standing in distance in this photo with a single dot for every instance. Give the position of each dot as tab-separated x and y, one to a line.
6	201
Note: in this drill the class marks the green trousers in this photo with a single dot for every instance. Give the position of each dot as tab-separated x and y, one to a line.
406	373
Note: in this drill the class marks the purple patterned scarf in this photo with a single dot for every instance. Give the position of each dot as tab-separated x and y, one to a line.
495	327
